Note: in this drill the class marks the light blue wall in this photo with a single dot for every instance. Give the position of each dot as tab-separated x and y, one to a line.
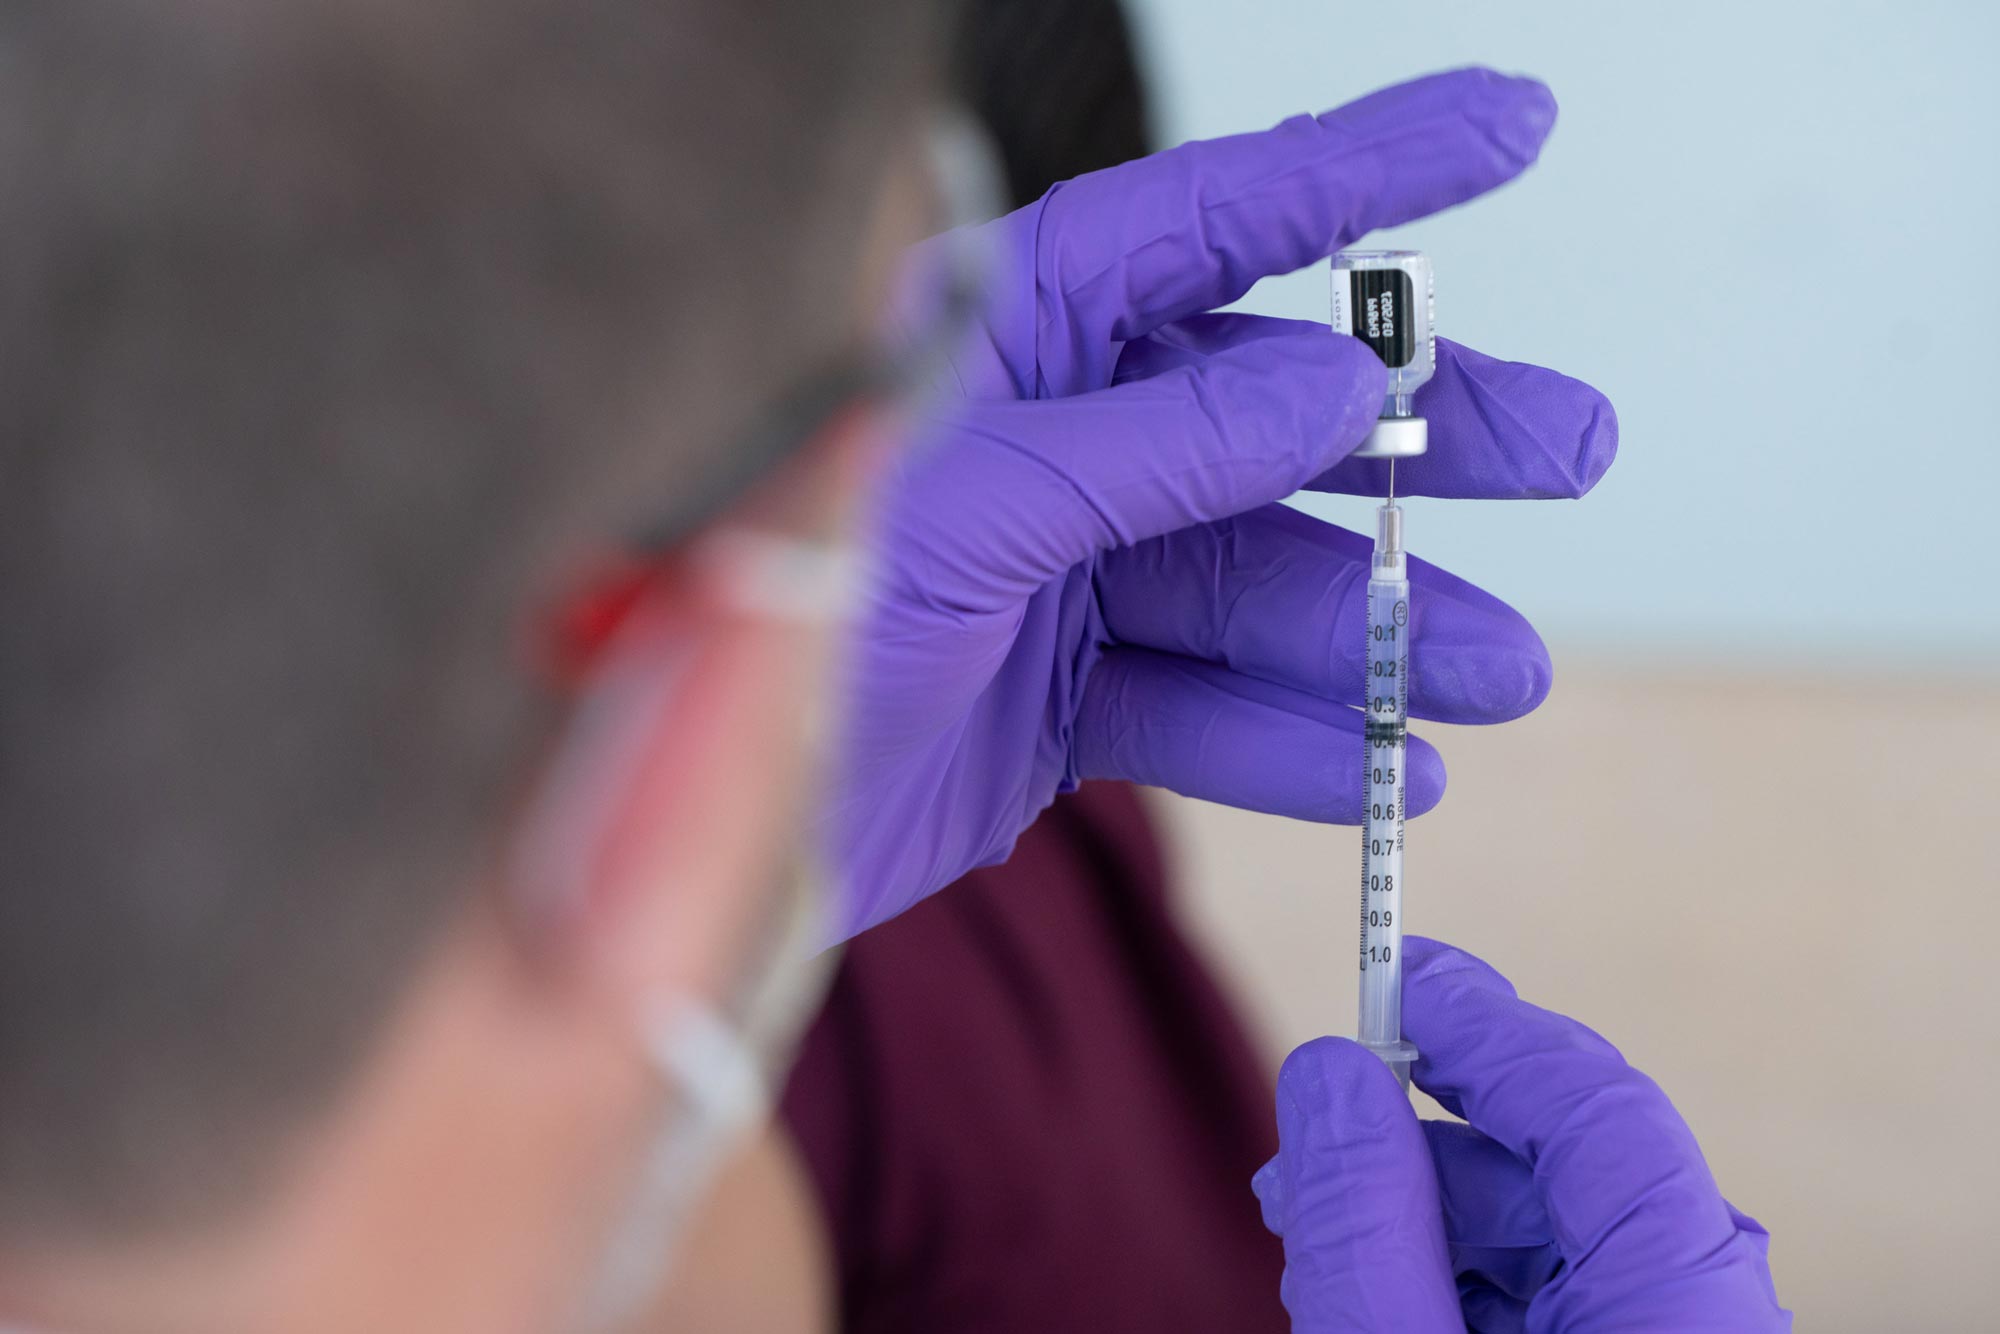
1772	229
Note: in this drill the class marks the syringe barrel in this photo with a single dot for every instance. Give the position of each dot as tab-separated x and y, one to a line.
1385	718
1381	1022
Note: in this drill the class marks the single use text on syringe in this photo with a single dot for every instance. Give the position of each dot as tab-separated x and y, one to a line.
1385	299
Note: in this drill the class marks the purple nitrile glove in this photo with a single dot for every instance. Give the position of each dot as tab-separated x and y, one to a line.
1575	1200
1084	575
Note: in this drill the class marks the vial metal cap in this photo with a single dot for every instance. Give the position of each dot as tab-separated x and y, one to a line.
1395	438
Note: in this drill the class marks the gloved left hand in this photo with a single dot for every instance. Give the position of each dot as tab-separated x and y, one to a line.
1083	574
1574	1200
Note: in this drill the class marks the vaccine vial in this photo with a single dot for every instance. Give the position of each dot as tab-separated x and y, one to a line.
1387	300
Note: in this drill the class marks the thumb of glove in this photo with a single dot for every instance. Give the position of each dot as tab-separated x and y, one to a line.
1353	1192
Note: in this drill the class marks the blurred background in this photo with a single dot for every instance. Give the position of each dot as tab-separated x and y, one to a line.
1752	836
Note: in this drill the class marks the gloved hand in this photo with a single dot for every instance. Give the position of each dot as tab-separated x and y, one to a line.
1576	1199
1083	574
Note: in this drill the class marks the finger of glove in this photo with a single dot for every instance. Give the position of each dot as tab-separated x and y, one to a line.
1499	1232
1189	341
1759	1235
1499	430
1353	1193
1490	1311
1754	1242
1018	492
1279	595
1634	1209
1490	1196
1122	251
1204	731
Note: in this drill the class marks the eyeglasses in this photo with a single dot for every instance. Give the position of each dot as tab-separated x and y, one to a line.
610	644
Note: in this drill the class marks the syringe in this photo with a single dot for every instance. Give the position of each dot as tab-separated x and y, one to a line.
1384	298
1384	726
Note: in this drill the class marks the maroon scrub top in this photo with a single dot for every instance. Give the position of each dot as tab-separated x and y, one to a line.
1028	1107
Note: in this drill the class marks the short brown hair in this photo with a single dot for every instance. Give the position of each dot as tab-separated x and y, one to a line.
324	326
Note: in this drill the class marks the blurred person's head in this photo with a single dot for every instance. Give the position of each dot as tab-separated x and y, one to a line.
348	978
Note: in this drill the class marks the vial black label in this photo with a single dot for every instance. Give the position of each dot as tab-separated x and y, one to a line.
1379	312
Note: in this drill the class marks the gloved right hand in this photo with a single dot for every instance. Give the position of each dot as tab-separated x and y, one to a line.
1575	1199
1084	575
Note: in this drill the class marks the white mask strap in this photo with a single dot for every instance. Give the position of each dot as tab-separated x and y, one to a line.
721	1094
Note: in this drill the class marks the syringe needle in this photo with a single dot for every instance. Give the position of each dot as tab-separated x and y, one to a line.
1392	481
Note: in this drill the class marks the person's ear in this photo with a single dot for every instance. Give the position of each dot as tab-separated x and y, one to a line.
669	806
673	806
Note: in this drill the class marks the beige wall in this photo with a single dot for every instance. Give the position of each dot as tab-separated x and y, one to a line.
1779	896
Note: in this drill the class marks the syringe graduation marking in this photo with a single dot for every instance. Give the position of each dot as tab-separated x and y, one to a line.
1384	739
